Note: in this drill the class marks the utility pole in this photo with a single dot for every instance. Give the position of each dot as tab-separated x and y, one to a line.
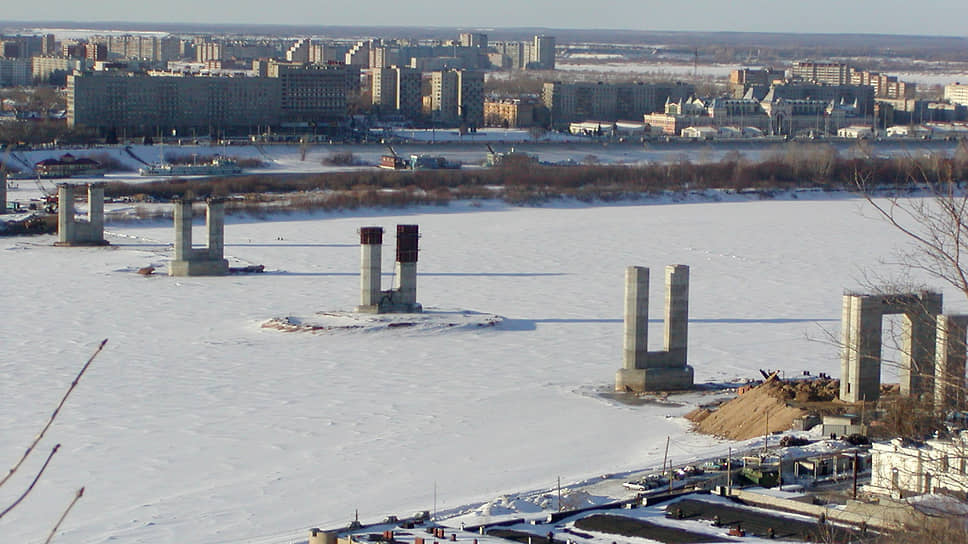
666	456
729	472
766	437
855	476
559	493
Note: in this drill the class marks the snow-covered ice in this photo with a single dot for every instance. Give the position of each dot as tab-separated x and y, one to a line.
198	425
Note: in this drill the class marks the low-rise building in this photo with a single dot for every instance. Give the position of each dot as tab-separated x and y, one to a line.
509	112
855	132
956	93
903	468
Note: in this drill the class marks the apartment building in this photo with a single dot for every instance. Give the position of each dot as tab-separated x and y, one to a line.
152	104
312	92
207	51
885	86
129	46
832	73
54	70
509	113
15	72
542	53
142	104
397	89
569	102
457	97
299	51
956	93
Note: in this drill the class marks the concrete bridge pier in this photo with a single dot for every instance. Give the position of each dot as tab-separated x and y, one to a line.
206	261
70	231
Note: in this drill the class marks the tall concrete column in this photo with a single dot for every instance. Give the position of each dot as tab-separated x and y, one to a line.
864	350
406	265
846	346
65	213
95	210
215	223
677	312
636	340
371	254
183	229
949	370
919	343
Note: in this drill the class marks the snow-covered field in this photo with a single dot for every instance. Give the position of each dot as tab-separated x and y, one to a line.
198	425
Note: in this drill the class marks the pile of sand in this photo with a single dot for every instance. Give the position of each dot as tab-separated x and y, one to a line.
746	416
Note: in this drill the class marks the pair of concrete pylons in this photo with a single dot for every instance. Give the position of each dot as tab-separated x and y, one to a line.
402	297
188	260
932	363
665	370
70	231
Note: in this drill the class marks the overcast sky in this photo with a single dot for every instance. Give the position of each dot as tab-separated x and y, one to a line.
930	17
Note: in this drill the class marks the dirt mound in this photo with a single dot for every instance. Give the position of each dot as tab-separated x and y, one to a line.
746	416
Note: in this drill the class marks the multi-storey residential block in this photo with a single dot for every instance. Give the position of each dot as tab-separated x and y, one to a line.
956	93
21	47
151	48
15	72
48	45
397	89
509	113
473	39
206	51
833	73
542	53
359	54
142	104
838	73
457	97
885	86
299	51
311	92
54	70
600	101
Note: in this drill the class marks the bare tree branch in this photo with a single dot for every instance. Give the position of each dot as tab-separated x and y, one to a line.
53	416
77	497
32	484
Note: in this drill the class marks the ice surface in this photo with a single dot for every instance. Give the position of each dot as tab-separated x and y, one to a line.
197	425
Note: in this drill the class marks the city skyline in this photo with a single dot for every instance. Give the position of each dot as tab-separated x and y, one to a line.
819	16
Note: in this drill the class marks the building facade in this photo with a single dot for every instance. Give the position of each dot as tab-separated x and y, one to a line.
832	73
125	103
509	113
457	97
904	468
956	93
581	101
312	92
397	89
16	72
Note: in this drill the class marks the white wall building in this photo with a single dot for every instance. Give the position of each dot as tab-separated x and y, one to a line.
904	468
856	132
956	93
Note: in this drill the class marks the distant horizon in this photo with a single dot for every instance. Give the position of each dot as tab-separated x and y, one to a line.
170	26
942	18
